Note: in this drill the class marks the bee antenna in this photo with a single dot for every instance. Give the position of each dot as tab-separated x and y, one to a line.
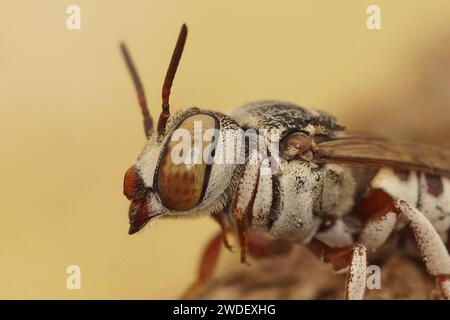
148	121
170	75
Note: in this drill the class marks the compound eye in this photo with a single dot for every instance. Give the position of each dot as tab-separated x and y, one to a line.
185	164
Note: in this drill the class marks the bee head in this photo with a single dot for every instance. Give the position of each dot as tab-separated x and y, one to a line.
182	170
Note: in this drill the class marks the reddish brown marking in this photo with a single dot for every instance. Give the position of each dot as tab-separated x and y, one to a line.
162	120
243	240
207	266
402	174
210	257
243	217
375	205
440	280
258	246
133	185
448	241
170	75
262	247
338	257
435	186
139	215
317	247
219	219
148	121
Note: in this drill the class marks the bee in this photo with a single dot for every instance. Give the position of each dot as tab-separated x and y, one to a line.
341	194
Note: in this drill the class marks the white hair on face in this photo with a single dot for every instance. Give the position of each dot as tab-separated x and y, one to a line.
148	159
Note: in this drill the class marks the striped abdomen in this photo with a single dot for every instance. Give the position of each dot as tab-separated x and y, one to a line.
428	193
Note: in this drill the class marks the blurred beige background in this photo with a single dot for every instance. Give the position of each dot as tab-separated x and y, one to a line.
70	125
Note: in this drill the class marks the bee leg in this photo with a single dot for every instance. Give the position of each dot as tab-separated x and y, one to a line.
432	248
243	200
243	241
352	258
338	257
207	266
379	216
260	246
224	228
357	274
380	212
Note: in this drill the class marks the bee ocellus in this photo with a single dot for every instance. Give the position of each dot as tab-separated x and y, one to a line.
336	192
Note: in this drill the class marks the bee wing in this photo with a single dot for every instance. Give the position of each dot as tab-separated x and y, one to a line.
367	150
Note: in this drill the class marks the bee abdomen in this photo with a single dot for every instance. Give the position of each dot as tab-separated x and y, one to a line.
428	193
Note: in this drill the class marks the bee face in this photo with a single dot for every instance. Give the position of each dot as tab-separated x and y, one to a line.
186	173
171	180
